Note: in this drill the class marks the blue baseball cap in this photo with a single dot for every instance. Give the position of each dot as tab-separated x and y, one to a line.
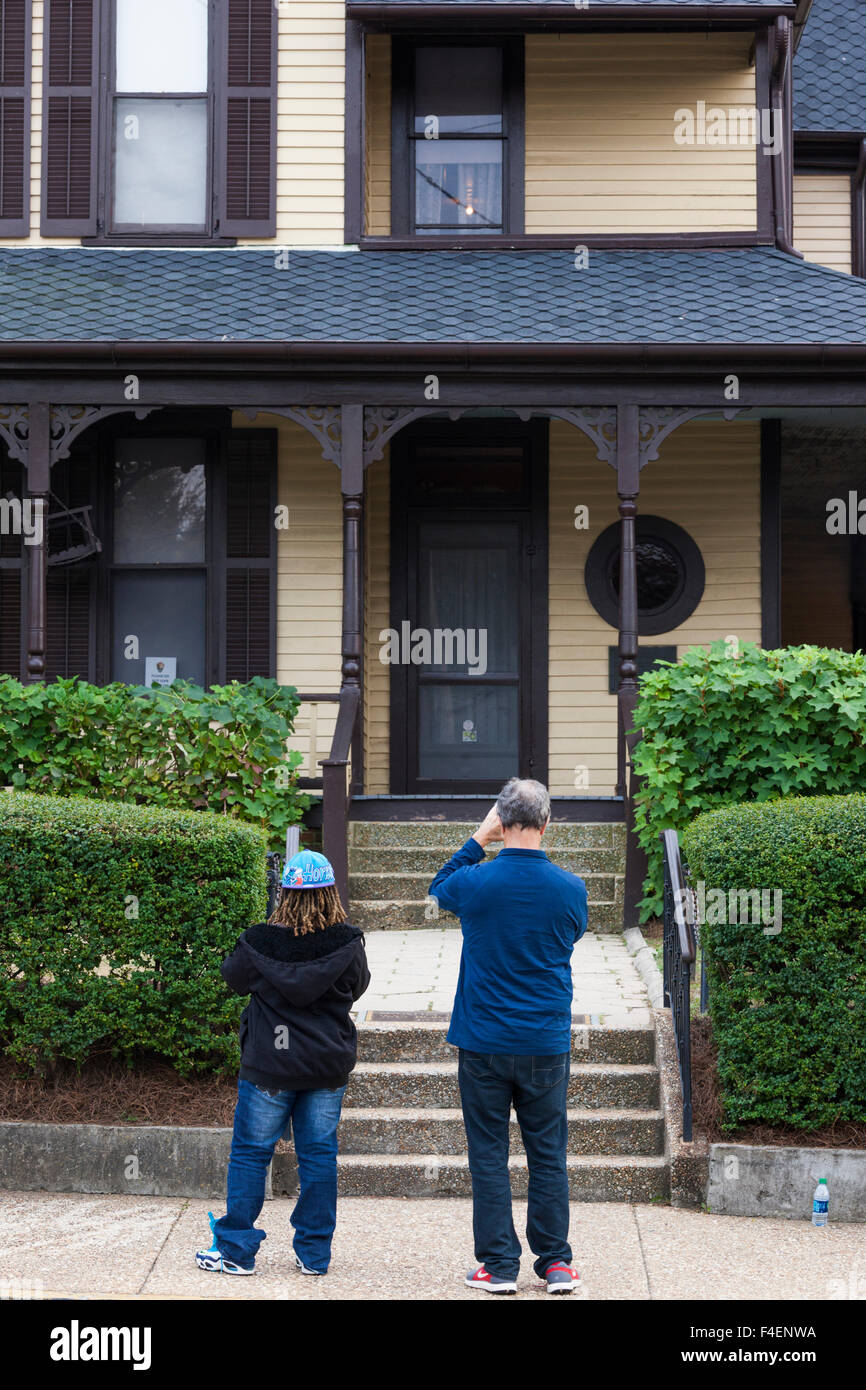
308	870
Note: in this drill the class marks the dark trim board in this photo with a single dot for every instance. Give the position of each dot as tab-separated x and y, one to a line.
547	241
563	16
589	810
771	534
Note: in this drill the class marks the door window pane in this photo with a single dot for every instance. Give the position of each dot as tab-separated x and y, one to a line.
166	612
469	584
160	498
161	45
160	163
468	732
461	87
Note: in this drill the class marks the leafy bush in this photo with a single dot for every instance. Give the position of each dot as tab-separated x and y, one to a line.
718	729
220	750
115	920
787	1000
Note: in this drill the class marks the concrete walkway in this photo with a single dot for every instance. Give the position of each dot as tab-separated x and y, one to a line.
142	1247
416	972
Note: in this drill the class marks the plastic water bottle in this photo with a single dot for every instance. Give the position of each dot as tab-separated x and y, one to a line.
821	1204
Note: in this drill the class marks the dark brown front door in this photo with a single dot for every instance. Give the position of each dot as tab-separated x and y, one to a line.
468	641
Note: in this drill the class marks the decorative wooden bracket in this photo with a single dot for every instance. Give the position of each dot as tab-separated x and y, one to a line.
323	422
656	422
67	422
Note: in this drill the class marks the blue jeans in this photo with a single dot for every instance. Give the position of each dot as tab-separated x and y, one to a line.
537	1087
261	1119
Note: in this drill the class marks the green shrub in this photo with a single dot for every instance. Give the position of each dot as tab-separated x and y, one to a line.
220	750
718	729
154	898
788	998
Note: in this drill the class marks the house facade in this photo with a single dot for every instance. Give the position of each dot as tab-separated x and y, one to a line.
450	361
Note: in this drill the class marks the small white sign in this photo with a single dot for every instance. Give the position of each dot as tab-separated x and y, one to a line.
160	670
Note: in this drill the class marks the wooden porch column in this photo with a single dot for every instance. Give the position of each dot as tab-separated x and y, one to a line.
352	484
38	487
628	487
336	793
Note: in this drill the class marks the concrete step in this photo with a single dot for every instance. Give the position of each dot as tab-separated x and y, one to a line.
379	1131
451	834
378	859
433	1085
427	1042
406	887
591	1177
392	914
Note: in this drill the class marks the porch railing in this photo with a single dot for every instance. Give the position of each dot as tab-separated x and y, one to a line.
334	781
679	959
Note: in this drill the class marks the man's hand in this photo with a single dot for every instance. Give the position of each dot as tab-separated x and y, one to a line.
490	828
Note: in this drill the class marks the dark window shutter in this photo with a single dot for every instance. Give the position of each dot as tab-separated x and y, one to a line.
67	625
11	553
69	133
15	28
70	587
10	623
248	119
250	554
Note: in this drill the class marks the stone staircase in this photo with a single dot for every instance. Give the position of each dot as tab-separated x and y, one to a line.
402	1132
391	864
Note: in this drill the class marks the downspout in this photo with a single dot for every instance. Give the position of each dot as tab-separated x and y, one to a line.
858	216
780	101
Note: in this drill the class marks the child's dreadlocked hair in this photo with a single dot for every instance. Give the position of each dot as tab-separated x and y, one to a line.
305	910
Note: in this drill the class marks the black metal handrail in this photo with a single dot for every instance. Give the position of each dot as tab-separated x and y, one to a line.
679	960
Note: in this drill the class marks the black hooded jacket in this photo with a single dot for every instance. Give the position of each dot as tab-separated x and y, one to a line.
296	1033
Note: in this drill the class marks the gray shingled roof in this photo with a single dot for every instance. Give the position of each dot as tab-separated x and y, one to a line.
830	68
754	295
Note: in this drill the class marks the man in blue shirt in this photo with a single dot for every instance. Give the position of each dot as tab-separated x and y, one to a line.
521	916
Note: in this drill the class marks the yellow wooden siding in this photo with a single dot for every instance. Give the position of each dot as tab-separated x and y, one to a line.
310	127
600	148
377	684
309	575
310	123
378	135
707	479
822	219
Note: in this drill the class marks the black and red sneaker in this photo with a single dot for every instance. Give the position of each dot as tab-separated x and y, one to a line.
561	1278
491	1283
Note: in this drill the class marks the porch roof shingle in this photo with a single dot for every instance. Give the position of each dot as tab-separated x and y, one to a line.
755	295
830	68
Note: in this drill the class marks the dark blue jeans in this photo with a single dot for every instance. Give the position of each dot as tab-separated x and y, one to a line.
537	1087
261	1118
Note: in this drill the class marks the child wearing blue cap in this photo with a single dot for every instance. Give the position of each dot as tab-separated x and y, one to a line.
303	969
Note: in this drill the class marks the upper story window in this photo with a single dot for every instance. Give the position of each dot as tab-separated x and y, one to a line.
457	138
160	119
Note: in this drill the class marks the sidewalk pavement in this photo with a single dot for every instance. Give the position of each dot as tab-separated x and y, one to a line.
418	1249
416	972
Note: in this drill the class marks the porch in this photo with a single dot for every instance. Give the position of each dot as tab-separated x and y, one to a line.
307	547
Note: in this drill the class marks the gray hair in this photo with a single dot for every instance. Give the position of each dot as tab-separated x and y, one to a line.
525	803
